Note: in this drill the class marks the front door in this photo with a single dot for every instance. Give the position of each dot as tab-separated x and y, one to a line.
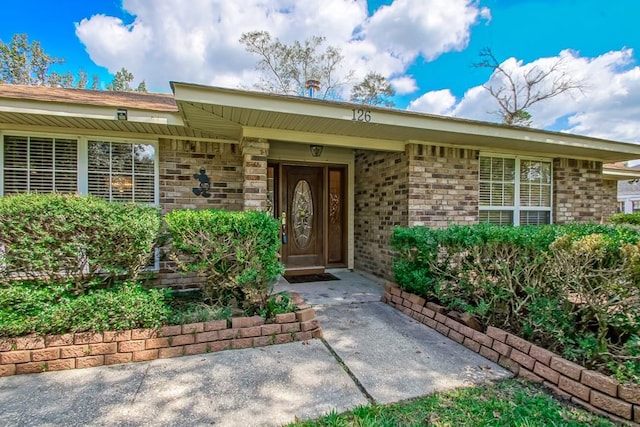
303	210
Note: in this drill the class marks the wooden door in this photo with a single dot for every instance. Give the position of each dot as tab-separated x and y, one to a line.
303	210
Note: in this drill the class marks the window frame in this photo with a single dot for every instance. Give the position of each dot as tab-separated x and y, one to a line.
517	208
83	156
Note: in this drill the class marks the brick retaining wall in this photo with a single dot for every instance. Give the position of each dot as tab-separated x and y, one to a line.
32	354
592	390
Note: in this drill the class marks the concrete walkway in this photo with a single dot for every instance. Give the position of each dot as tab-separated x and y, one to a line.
388	357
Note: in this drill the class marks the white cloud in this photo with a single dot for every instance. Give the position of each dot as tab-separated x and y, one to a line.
423	27
435	102
608	107
197	41
404	85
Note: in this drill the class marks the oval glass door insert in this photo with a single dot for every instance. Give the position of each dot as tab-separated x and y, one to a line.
302	214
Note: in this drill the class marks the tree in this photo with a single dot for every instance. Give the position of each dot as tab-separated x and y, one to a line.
24	63
516	93
375	89
122	82
287	68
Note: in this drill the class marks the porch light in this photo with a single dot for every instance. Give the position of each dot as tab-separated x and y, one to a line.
316	150
121	114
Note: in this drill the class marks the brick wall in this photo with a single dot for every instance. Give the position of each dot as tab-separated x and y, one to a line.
443	186
178	162
254	155
580	194
34	354
380	204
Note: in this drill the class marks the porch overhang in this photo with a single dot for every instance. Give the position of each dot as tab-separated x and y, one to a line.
238	114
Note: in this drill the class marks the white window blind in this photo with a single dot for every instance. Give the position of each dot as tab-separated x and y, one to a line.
515	191
40	164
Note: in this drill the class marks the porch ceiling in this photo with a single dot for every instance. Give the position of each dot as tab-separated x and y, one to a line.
235	113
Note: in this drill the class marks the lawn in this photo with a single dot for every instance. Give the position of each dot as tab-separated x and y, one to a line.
512	402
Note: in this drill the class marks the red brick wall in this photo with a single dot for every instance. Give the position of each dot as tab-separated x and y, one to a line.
580	194
33	354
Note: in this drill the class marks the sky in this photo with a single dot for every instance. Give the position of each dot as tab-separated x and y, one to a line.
426	48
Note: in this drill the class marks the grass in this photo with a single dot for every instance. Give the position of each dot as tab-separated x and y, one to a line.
512	402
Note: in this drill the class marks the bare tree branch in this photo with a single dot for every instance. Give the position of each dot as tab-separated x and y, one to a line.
516	94
286	68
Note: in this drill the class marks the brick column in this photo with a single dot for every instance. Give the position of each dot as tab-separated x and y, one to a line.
254	172
442	185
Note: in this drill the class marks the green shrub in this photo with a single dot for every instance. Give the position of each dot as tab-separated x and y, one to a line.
574	289
626	218
61	238
279	303
236	253
28	308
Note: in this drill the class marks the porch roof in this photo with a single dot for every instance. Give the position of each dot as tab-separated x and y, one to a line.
238	113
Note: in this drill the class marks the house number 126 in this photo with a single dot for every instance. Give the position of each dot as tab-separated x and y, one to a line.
360	115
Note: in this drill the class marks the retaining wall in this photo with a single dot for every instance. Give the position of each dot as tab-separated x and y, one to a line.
592	390
32	354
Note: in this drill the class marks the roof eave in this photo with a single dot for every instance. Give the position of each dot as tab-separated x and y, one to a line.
618	174
89	111
544	141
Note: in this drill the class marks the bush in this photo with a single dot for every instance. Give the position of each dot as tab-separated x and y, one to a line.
53	309
573	289
68	238
626	218
235	252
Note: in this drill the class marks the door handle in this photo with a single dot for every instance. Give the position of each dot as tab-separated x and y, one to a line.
284	228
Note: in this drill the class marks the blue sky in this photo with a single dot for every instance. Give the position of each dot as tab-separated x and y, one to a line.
425	47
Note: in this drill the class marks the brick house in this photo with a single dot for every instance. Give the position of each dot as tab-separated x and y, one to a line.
339	175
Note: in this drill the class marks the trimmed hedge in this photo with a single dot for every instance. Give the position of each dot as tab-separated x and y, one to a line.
60	238
235	252
53	309
574	289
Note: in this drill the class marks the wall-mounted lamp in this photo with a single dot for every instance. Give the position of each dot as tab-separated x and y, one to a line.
316	150
121	114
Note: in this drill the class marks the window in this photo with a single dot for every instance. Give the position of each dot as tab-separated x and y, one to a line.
515	191
635	205
40	164
122	172
116	171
